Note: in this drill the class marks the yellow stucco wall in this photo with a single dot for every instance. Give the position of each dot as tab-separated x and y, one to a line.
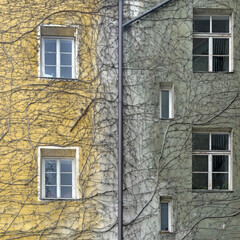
38	112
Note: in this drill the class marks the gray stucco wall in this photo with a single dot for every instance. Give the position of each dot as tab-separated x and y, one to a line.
157	152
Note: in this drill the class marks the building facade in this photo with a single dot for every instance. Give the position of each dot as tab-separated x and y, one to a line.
59	120
181	121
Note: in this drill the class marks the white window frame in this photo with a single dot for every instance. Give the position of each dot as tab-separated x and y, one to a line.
41	172
58	66
212	35
210	153
171	102
168	200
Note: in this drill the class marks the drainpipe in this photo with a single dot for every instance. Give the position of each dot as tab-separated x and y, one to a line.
120	120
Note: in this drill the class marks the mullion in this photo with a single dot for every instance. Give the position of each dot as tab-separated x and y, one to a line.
58	58
58	179
210	172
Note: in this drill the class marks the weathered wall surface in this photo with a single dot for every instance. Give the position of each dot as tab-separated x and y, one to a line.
46	112
158	153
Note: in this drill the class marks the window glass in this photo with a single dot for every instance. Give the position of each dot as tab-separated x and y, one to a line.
210	167
200	46
50	166
165	103
220	180
220	141
211	51
66	72
201	24
66	179
50	178
50	59
220	163
50	45
200	181
51	192
220	64
164	216
66	166
200	163
66	59
66	46
220	24
220	46
200	141
58	178
58	58
66	192
200	64
50	71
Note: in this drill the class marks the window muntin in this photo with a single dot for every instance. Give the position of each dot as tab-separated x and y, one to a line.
58	178
166	214
211	161
58	57
166	103
212	44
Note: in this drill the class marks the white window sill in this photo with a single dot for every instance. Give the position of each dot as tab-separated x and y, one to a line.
219	72
60	79
212	191
58	199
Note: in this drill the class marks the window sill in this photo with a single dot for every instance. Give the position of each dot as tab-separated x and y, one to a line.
220	72
164	119
59	79
166	232
211	191
58	199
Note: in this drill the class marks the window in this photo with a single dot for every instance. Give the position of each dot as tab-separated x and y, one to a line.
58	52
211	162
166	103
57	173
212	43
166	214
58	178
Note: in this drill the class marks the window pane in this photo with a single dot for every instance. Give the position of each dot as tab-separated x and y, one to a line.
66	179
220	46
50	58
200	181
200	141
220	180
220	163
66	166
66	192
165	103
200	64
50	178
50	72
201	24
220	64
220	24
66	59
50	45
200	163
50	192
200	46
66	46
50	166
66	72
164	217
220	142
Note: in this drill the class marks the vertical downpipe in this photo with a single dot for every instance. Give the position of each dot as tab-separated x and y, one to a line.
120	120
